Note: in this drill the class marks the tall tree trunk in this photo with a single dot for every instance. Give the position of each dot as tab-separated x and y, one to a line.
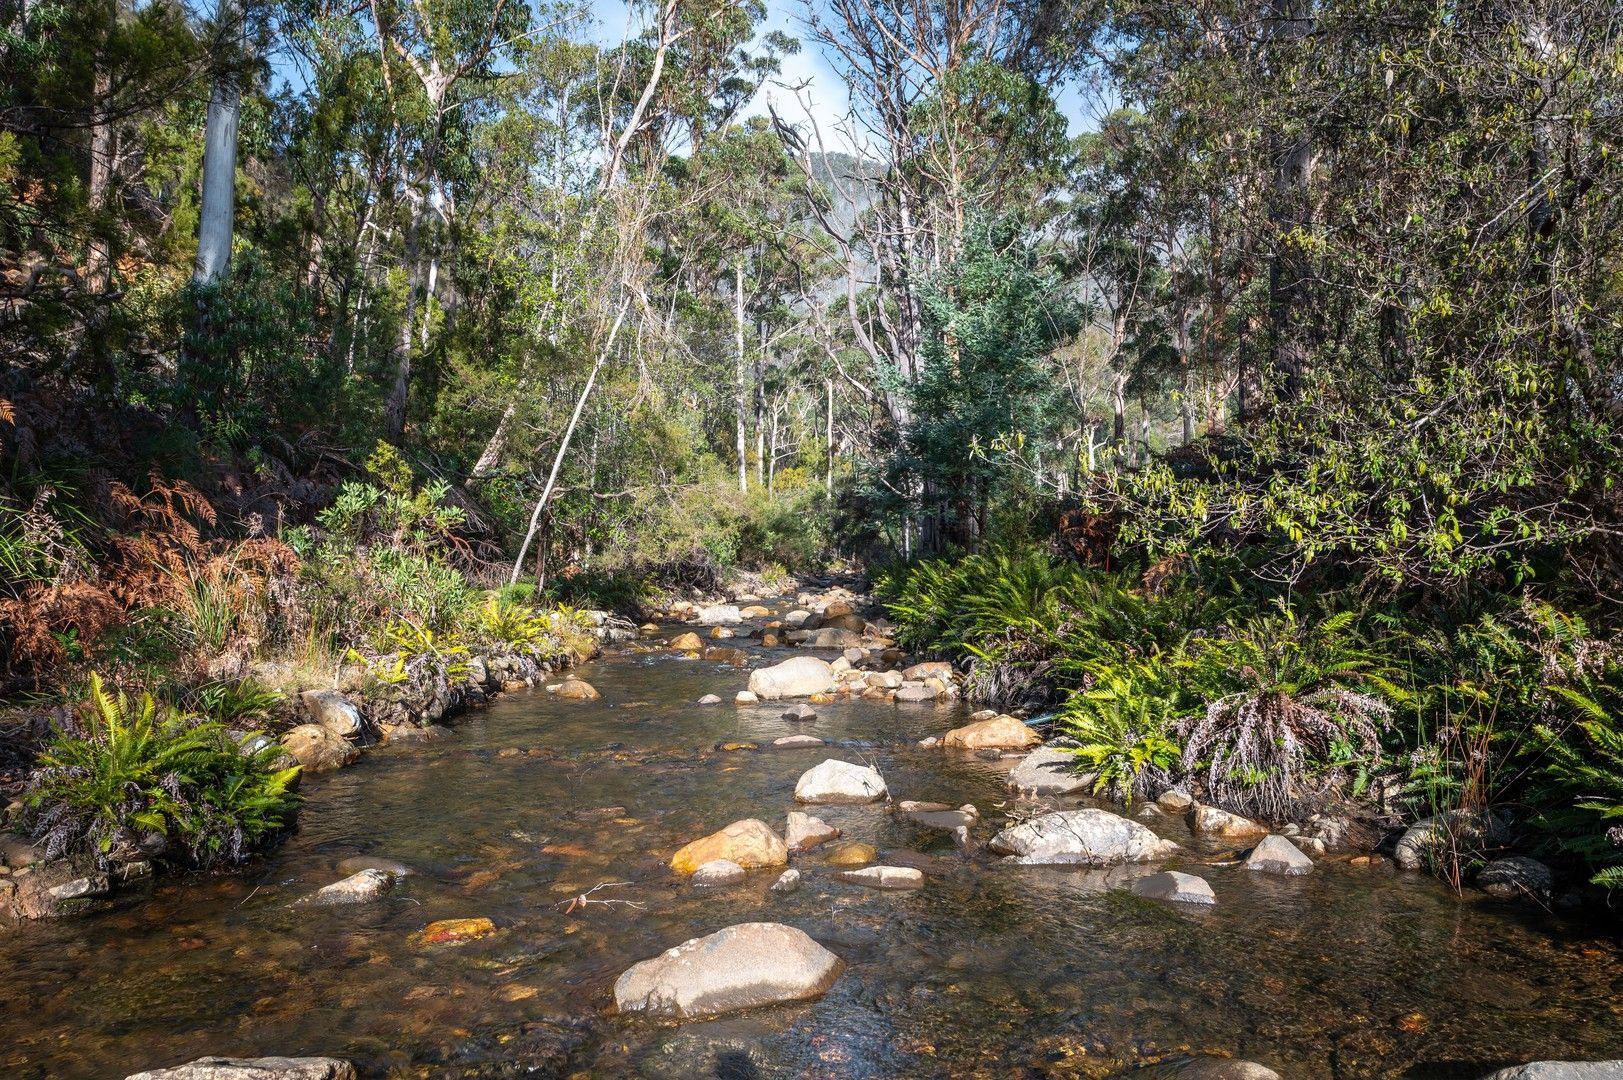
738	320
99	259
394	409
214	221
828	470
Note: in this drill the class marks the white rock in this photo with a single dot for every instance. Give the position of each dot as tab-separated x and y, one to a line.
718	872
1089	837
1277	855
741	967
745	697
710	699
885	877
836	781
788	882
799	676
803	832
266	1068
359	888
720	615
1562	1070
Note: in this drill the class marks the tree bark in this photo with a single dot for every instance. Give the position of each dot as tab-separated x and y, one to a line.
218	208
738	321
99	258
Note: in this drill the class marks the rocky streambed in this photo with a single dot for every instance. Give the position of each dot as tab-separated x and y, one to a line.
503	902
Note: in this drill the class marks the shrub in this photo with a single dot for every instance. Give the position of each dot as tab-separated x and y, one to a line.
1128	734
138	768
1579	786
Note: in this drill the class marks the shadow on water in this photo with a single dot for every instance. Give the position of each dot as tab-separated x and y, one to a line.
556	821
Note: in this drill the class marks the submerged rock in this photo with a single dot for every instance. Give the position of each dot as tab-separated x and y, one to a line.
718	872
265	1068
799	676
1277	855
361	887
318	749
1088	837
1225	1069
749	843
354	864
454	931
1171	885
802	832
885	877
839	782
999	733
741	967
1050	771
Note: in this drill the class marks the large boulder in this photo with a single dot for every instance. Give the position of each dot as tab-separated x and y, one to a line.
999	733
1459	830
836	782
749	843
318	749
1561	1070
1171	885
265	1068
333	711
800	676
1050	771
1211	821
720	615
1277	855
741	967
1087	837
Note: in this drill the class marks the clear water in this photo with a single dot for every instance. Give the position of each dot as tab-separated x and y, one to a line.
987	972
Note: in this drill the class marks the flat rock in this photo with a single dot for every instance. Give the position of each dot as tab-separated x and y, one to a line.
742	967
790	742
1210	821
1088	837
802	832
885	877
1049	771
840	782
1277	855
1171	885
799	676
318	749
265	1068
333	711
750	843
917	695
718	872
999	733
361	887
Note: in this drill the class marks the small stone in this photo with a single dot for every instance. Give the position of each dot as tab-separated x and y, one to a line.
710	699
745	697
885	877
718	872
916	694
801	713
1048	771
334	712
788	882
687	641
802	832
1277	855
1211	821
720	633
1175	802
790	742
573	689
318	749
354	864
1171	885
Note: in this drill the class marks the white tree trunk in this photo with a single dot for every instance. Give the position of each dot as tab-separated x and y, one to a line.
220	152
738	321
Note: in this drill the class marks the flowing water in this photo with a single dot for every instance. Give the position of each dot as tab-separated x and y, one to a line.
988	971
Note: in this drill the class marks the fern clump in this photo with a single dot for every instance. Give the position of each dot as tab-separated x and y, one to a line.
137	768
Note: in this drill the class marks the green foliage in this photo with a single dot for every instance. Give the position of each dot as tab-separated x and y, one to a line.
1579	783
1128	729
138	768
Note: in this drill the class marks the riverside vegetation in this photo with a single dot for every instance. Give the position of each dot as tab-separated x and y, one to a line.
1227	393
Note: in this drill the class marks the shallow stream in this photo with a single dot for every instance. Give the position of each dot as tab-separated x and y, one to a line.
987	972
